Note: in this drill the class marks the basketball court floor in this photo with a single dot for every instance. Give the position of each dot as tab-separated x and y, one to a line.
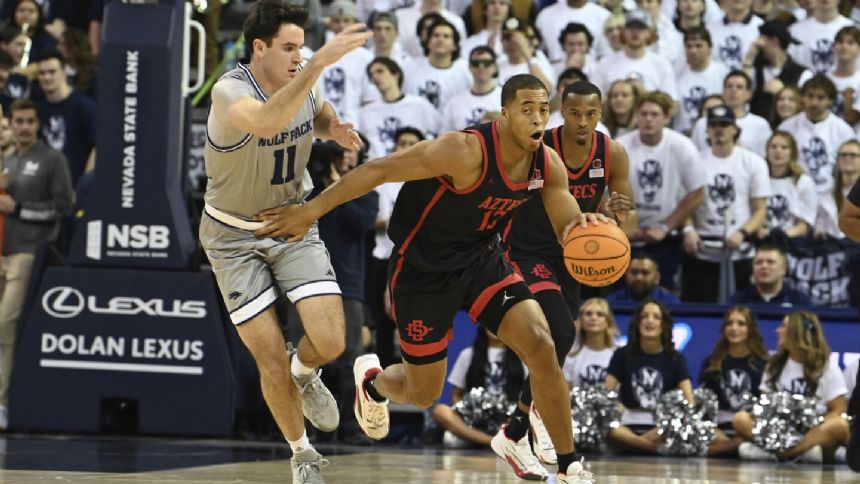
29	459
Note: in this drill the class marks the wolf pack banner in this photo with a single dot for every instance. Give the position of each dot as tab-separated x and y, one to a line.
151	339
826	269
136	215
696	331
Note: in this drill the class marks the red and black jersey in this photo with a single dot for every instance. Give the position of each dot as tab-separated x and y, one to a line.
531	230
436	227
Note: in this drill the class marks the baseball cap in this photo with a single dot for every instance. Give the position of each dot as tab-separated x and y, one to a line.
382	16
720	114
639	17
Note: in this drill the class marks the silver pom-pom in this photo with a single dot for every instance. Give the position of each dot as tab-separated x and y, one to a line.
483	410
686	430
781	419
595	411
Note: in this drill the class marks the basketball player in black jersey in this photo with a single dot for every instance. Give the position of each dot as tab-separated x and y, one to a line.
461	190
593	163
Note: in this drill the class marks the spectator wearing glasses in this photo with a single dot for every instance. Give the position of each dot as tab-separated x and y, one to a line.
847	174
467	108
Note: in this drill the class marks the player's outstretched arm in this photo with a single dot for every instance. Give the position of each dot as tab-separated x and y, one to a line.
561	207
454	155
265	120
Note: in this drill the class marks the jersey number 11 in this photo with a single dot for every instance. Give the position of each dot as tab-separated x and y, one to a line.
278	177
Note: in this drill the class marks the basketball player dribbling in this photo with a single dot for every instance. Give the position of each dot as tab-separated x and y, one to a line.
460	191
593	162
261	125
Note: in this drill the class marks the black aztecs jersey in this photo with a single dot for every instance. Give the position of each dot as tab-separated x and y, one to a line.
531	230
436	227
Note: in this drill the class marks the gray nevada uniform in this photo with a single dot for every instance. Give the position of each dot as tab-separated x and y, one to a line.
247	175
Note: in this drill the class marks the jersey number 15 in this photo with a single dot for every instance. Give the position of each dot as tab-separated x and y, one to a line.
278	177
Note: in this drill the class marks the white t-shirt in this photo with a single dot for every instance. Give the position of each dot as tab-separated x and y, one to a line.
817	144
755	131
588	367
407	27
467	108
434	84
827	220
731	185
843	83
387	196
554	18
345	83
815	49
670	43
481	38
380	120
732	40
508	70
694	87
495	374
654	71
831	384
661	175
790	201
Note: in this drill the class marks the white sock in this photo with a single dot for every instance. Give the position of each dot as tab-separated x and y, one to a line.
298	368
299	445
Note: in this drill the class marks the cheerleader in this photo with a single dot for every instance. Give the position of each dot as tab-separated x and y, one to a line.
802	367
586	364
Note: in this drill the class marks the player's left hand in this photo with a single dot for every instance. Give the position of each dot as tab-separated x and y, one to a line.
620	204
344	135
284	221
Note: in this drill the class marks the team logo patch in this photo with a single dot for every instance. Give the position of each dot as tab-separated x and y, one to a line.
536	181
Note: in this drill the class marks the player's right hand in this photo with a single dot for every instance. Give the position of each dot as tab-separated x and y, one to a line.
347	40
285	221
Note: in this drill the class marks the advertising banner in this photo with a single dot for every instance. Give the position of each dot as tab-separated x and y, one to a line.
93	336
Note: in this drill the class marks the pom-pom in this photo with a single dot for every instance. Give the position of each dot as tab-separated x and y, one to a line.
483	410
686	429
595	411
781	419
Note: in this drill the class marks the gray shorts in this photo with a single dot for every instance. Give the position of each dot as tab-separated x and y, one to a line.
248	268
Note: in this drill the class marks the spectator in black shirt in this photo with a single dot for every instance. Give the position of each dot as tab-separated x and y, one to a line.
29	12
769	266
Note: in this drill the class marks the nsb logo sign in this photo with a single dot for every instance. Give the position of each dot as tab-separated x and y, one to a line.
125	236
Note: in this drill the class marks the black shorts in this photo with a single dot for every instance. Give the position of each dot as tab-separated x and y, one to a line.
425	303
543	273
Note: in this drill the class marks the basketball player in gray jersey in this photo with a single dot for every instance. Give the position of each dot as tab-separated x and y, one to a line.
261	125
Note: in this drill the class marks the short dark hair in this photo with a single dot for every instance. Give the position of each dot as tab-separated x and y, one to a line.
266	18
576	28
583	88
484	49
820	81
23	104
572	73
408	130
849	31
392	67
739	73
518	83
443	23
645	256
698	33
51	54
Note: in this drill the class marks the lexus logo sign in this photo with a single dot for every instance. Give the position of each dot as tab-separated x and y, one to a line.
63	302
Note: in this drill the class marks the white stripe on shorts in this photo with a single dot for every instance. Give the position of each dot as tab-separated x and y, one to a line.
254	306
230	220
319	288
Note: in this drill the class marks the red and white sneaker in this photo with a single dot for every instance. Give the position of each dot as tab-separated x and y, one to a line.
519	456
576	474
543	447
371	415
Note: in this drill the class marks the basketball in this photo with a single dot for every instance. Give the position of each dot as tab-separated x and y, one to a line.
597	255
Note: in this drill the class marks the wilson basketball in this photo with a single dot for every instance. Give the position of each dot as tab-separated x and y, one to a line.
597	255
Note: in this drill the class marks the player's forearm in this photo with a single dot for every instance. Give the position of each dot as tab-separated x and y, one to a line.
281	108
354	184
323	120
685	209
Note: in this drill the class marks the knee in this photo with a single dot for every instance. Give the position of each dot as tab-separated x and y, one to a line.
539	352
330	347
275	368
742	422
